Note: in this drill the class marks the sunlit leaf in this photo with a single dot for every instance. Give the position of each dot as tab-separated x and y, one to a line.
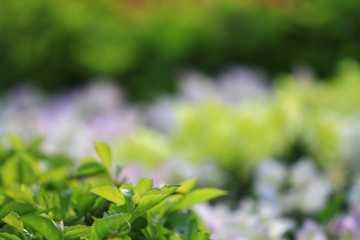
104	152
153	197
143	185
20	193
113	194
187	185
197	196
14	220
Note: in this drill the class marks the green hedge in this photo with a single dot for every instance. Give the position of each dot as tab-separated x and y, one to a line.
63	43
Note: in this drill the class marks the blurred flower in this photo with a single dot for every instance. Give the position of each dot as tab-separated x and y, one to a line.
269	176
310	188
307	188
311	231
354	196
348	227
350	137
230	87
251	221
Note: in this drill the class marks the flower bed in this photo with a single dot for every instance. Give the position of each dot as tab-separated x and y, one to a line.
287	153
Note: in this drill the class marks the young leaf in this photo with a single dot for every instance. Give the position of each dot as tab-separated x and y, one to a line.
45	226
113	194
149	201
166	189
13	219
187	185
104	152
196	196
153	197
143	185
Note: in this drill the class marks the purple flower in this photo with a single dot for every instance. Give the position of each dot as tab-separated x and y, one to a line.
348	227
311	231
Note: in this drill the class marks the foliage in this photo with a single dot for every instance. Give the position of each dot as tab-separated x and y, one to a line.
58	43
46	197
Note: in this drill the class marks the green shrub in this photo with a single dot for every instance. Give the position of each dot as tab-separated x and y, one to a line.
57	43
46	197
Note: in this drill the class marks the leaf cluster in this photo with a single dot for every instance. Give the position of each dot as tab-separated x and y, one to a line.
47	197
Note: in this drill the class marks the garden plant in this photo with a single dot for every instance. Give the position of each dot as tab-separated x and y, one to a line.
45	197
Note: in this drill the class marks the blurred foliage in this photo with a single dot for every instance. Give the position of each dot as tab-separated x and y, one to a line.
142	44
301	119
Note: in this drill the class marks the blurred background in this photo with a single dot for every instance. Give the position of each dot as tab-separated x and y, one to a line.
258	97
144	44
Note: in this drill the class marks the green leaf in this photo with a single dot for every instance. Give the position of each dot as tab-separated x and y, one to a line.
113	194
138	223
332	208
14	220
45	226
2	198
149	201
174	238
187	185
166	189
199	235
17	142
117	223
20	193
153	197
89	166
196	196
144	185
18	207
10	171
104	152
77	231
56	175
8	236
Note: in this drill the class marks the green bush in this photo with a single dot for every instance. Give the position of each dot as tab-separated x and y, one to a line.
57	43
46	197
